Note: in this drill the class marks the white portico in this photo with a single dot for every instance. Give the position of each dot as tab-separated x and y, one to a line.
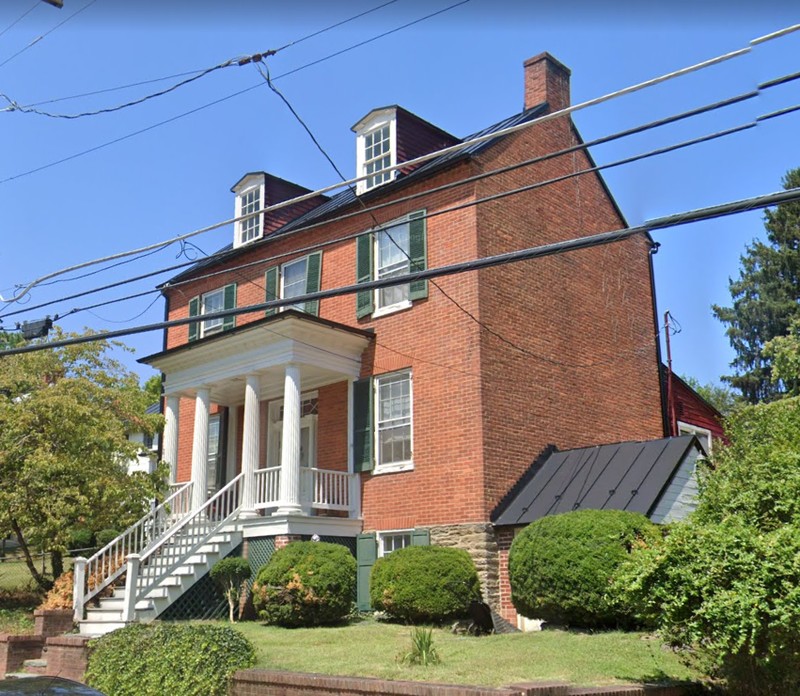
283	360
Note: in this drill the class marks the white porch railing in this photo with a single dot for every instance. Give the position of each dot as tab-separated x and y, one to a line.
323	489
145	571
105	566
330	490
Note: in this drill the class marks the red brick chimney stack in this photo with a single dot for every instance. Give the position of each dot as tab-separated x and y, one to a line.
546	79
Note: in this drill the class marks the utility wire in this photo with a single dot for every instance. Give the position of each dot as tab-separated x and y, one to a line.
19	19
426	216
214	103
50	31
578	243
419	160
199	70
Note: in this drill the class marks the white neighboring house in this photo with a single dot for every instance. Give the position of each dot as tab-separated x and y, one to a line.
147	458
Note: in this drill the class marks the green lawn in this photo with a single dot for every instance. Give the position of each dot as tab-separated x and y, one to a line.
16	620
370	648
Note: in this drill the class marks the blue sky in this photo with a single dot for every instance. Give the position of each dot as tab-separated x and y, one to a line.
461	70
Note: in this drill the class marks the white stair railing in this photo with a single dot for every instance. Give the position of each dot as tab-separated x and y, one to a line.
146	570
105	566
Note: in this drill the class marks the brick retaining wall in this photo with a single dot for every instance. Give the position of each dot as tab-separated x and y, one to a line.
255	682
14	650
67	656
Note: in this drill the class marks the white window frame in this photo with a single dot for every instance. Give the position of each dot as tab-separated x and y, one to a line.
216	327
282	284
689	429
254	187
392	533
406	465
381	310
379	121
275	430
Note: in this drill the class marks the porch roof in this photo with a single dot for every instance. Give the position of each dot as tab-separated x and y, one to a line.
325	351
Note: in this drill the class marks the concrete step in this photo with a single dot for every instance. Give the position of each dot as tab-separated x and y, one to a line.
35	667
99	628
19	675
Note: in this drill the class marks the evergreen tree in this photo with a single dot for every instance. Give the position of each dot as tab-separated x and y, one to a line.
765	299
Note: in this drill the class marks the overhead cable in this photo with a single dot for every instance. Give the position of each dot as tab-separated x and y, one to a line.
575	244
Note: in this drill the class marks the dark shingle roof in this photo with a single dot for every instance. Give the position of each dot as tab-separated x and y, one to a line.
347	197
623	476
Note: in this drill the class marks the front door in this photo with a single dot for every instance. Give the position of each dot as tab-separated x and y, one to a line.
308	444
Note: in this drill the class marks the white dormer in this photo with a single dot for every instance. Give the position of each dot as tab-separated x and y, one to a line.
250	200
376	147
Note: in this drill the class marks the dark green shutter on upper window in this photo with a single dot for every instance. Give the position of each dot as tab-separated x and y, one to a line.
194	310
313	274
272	287
362	425
366	554
418	253
365	302
229	299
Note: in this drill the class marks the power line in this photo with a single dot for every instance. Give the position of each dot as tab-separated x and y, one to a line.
418	160
19	19
215	102
199	70
575	244
338	240
50	31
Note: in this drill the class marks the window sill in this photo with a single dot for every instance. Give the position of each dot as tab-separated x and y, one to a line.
393	468
391	309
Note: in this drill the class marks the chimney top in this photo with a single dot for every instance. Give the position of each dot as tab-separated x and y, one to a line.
546	80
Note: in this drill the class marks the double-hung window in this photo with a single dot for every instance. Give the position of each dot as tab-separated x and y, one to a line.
294	278
383	423
394	250
251	198
376	148
211	303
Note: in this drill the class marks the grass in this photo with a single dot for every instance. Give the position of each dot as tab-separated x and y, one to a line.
369	648
18	620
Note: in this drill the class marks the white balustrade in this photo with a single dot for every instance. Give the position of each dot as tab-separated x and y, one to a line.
330	489
267	487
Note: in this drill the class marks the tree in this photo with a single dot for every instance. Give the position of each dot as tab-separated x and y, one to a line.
720	397
765	299
724	584
64	416
784	351
152	388
230	575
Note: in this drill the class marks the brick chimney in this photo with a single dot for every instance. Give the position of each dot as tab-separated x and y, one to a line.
546	80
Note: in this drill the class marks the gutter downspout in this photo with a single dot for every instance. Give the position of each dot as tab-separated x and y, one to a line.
663	397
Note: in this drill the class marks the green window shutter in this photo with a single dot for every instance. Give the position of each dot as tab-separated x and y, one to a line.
362	425
272	287
420	537
229	303
313	273
365	302
194	310
418	252
366	553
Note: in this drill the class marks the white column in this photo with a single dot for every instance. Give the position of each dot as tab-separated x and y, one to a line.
170	448
200	449
78	587
290	443
232	440
250	441
131	578
355	479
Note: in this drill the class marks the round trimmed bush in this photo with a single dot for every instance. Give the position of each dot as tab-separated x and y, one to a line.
105	536
175	659
561	567
306	583
424	584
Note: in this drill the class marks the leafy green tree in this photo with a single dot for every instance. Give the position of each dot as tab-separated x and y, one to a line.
766	298
719	396
784	352
725	584
152	388
64	415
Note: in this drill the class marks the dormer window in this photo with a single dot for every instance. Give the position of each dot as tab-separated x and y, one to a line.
376	145
250	199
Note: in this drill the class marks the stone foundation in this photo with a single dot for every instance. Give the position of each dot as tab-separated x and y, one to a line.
478	539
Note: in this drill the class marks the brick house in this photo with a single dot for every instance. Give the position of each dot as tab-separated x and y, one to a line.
405	414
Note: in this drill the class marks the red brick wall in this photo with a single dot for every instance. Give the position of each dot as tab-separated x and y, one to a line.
506	609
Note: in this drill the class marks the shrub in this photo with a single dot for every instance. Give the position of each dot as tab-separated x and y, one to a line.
306	583
60	594
560	567
105	536
230	574
424	584
175	659
80	538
